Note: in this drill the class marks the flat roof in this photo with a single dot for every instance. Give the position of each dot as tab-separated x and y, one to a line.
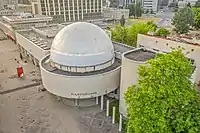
51	30
20	19
46	65
180	39
36	38
40	37
140	55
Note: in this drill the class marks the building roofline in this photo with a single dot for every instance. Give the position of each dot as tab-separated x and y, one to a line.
181	41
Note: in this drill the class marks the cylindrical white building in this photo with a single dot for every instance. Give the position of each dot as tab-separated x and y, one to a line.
81	63
131	60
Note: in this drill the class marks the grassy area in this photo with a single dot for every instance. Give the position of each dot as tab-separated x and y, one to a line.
142	20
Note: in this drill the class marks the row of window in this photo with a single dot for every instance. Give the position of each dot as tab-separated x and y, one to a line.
82	69
70	3
71	12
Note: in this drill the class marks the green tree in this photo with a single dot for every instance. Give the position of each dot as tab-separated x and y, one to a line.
131	8
129	35
162	32
165	100
183	19
138	9
122	21
152	25
135	9
196	17
119	34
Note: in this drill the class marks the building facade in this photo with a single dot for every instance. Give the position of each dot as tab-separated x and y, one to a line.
163	45
150	5
4	3
114	13
69	10
145	4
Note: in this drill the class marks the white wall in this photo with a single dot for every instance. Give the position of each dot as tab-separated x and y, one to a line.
7	29
30	47
72	86
166	45
129	76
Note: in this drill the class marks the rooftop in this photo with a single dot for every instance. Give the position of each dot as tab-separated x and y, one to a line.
36	38
49	30
140	55
189	39
26	18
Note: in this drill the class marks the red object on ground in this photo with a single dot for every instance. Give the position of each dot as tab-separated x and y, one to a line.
20	72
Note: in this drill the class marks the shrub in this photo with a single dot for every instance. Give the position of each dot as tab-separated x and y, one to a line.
165	100
162	32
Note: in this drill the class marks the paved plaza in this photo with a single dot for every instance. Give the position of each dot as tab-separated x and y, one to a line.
25	107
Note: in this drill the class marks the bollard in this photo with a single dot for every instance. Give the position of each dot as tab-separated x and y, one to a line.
101	102
113	118
120	123
97	100
107	108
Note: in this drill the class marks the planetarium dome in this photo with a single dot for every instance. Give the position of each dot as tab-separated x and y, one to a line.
82	44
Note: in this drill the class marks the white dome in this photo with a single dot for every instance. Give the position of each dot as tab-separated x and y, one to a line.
81	44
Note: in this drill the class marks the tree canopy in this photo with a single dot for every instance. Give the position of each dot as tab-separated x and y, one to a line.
129	35
131	8
135	9
196	17
183	19
162	32
165	100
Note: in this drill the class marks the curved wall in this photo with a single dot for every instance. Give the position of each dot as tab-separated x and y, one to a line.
80	87
129	77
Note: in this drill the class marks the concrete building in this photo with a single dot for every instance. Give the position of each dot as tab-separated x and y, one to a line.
11	10
93	60
150	5
23	22
131	60
127	2
148	46
190	47
23	8
81	53
35	43
69	10
11	23
145	4
192	2
5	3
114	13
